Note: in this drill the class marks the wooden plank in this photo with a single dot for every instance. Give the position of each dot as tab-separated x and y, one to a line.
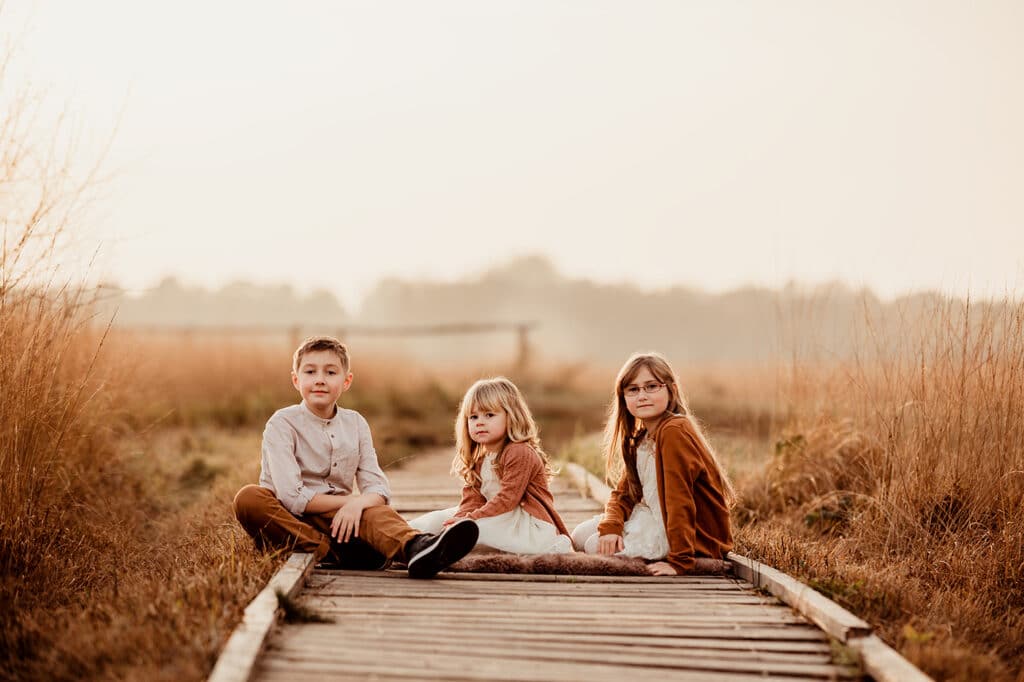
578	604
680	644
519	577
581	602
573	620
690	599
315	637
500	583
237	659
460	667
383	623
497	583
819	609
448	581
587	484
884	663
514	654
399	627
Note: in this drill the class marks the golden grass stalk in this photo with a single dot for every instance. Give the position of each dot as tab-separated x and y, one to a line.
898	487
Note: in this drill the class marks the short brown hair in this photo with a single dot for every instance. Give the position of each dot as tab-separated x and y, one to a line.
314	343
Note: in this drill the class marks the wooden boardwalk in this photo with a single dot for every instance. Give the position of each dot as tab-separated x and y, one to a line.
475	626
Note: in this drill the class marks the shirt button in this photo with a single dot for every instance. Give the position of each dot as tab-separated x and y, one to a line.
335	465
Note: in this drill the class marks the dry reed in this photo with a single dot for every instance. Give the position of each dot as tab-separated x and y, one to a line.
897	487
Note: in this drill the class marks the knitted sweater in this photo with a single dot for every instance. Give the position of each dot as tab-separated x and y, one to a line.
524	483
692	499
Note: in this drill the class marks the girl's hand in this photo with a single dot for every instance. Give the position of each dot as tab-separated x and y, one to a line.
662	568
609	544
450	521
345	524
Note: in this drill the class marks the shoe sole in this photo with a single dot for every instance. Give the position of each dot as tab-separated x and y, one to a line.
454	543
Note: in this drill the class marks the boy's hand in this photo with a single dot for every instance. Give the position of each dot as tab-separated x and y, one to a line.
345	524
661	568
609	544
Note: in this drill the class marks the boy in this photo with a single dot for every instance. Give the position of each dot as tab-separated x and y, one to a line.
311	454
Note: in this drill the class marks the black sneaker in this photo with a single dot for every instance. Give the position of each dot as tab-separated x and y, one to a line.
429	553
354	555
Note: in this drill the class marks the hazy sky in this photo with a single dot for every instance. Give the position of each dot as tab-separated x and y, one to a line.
329	144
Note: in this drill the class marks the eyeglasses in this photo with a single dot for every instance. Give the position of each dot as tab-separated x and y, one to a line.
648	388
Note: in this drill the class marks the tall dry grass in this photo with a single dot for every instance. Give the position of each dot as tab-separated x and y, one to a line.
897	487
212	379
99	574
120	458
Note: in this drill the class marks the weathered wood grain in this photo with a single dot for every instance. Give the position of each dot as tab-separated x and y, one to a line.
478	626
238	658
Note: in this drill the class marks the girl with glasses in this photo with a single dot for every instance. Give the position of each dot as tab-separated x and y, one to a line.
671	504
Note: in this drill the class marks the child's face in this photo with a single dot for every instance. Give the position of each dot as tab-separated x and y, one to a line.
650	403
320	380
487	427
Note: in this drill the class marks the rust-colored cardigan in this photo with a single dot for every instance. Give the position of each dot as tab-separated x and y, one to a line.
692	500
524	483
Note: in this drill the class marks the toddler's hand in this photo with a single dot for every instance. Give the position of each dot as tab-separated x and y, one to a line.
662	568
345	524
609	544
450	522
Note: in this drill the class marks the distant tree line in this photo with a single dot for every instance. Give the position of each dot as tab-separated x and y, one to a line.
577	319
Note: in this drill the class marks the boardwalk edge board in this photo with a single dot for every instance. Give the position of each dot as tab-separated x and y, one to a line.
880	661
237	660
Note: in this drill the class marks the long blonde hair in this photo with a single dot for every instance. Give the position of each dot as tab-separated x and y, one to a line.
493	395
623	432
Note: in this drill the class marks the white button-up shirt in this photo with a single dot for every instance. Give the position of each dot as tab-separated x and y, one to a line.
304	454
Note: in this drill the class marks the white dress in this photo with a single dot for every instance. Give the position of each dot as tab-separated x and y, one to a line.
514	531
643	533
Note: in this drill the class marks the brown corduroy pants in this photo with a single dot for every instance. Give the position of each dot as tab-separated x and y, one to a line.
382	532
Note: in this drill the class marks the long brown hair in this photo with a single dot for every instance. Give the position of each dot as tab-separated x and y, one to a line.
623	432
493	395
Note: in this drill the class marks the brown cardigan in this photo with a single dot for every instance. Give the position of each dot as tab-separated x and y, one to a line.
524	483
692	500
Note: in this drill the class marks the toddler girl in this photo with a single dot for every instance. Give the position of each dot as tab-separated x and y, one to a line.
505	474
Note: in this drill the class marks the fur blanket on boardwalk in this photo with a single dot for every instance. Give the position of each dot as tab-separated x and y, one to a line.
571	564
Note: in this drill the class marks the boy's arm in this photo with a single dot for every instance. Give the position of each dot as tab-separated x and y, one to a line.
322	502
369	476
279	457
345	524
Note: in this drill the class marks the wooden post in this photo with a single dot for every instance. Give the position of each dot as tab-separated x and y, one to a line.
523	350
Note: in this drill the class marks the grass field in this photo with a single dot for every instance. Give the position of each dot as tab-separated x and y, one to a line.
891	483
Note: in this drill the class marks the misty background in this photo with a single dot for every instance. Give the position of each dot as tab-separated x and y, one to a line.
680	146
575	319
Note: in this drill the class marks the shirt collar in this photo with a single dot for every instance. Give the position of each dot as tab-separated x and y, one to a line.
317	417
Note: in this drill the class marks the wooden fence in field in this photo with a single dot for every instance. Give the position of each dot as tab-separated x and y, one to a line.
295	333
